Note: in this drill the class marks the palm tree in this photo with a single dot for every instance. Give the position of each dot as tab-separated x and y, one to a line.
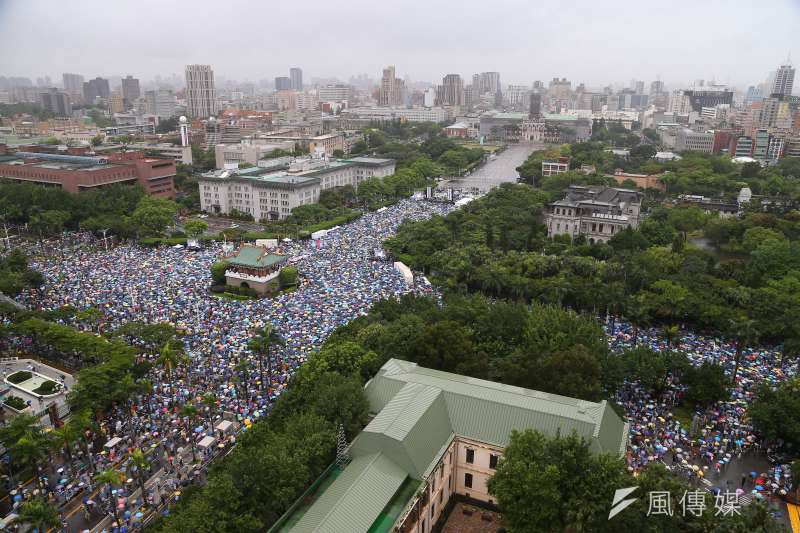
260	345
192	413
40	514
31	449
142	464
111	477
82	421
210	401
745	332
171	358
672	333
63	439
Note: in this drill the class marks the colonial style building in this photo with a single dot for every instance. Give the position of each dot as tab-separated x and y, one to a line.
599	213
270	193
437	435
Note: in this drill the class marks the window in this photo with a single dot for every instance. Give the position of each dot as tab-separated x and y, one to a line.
468	480
493	461
470	456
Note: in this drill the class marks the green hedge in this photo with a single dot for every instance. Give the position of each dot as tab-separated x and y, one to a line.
338	221
19	377
158	241
15	402
48	387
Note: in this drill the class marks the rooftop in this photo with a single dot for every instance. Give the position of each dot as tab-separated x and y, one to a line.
418	413
255	256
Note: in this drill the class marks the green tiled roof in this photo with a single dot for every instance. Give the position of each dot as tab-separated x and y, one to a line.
488	411
355	500
418	412
255	256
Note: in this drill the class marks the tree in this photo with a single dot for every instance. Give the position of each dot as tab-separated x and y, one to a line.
287	277
171	357
218	272
745	331
260	345
63	439
706	384
30	450
142	465
152	215
192	414
210	401
195	228
346	358
111	477
774	413
97	140
40	514
555	483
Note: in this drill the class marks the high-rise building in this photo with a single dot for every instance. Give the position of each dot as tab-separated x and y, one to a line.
200	93
56	102
486	82
429	98
73	85
296	77
160	102
96	88
535	110
282	83
391	89
784	81
656	87
452	90
116	103
130	90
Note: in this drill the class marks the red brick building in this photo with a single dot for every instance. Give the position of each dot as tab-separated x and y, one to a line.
77	173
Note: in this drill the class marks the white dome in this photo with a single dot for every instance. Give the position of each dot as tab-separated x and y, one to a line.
212	119
182	120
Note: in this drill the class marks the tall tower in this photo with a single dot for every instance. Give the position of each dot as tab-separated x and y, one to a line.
387	96
453	90
296	76
130	90
186	148
200	93
784	80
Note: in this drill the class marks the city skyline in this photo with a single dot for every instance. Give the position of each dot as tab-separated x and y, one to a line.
538	43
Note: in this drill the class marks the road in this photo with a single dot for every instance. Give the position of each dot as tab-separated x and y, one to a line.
501	169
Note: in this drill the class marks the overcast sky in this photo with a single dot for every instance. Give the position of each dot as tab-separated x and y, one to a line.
590	41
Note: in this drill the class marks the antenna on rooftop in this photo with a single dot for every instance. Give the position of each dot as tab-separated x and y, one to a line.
342	455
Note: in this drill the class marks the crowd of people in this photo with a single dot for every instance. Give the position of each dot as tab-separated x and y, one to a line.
339	279
704	447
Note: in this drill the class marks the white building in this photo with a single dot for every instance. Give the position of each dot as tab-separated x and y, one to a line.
335	93
599	213
269	194
227	155
552	168
412	114
200	93
429	97
160	102
688	140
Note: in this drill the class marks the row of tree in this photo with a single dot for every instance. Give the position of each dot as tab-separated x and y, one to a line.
654	274
47	211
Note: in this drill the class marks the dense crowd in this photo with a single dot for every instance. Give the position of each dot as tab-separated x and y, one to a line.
706	447
340	279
